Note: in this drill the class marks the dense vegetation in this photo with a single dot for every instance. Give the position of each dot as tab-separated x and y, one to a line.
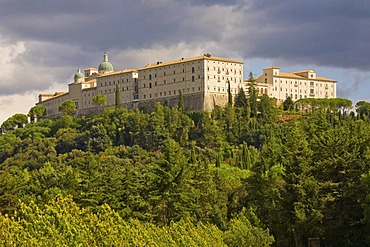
245	175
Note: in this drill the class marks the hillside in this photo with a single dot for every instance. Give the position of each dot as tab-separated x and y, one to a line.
237	176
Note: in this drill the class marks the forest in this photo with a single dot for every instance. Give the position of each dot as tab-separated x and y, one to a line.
248	174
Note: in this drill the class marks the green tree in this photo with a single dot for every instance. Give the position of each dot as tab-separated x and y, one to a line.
288	104
229	94
266	109
18	120
181	104
241	232
302	203
343	104
68	108
117	97
8	142
252	94
99	100
155	131
241	99
98	139
363	108
36	112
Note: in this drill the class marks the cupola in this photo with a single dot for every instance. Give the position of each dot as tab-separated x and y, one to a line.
105	66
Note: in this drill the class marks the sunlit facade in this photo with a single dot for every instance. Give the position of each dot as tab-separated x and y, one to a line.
203	82
297	85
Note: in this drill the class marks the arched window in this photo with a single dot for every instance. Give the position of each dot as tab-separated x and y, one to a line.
150	85
150	76
192	69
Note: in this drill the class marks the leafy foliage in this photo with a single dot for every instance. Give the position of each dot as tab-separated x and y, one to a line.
168	178
68	108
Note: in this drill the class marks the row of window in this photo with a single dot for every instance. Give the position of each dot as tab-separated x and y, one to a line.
165	73
312	84
169	93
150	85
219	70
222	89
109	83
227	79
291	90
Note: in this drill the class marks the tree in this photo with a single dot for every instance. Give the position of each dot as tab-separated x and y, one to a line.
229	94
343	104
241	99
68	107
18	120
288	104
252	94
266	109
363	108
181	104
118	97
155	131
36	112
99	100
98	139
242	232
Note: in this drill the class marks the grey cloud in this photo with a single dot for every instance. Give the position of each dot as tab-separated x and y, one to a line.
96	25
62	35
329	33
213	2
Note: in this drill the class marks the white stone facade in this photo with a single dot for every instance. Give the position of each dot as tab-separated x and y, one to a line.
203	82
297	85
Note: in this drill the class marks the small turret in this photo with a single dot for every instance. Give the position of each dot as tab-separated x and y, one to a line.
79	77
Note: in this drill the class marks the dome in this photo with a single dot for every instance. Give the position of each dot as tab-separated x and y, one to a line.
105	66
79	76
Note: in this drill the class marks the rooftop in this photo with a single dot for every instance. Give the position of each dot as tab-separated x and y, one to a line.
182	60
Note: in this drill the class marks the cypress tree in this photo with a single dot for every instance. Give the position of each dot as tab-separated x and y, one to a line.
118	98
230	97
252	93
181	104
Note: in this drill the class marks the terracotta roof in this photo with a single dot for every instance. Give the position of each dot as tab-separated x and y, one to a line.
183	60
53	96
304	71
272	67
118	72
295	76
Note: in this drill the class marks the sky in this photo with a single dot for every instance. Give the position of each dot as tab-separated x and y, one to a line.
43	42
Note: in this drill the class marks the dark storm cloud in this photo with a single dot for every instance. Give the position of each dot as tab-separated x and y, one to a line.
213	2
62	35
91	24
329	33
